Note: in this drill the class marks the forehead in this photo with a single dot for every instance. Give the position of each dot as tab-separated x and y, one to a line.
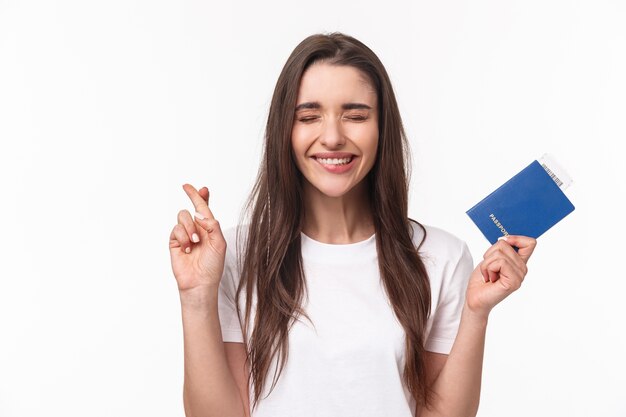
334	84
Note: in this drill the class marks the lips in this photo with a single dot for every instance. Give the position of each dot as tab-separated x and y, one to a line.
334	161
337	168
332	155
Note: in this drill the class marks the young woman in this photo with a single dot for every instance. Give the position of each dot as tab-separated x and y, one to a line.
330	300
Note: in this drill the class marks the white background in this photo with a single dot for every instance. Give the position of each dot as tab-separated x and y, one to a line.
107	108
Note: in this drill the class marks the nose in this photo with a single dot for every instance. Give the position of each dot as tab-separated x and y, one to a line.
332	134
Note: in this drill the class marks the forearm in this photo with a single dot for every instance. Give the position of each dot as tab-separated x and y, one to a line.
209	387
457	387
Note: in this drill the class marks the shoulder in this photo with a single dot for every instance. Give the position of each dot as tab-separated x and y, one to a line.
438	242
444	254
235	237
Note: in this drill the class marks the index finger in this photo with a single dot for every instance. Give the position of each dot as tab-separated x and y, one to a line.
200	204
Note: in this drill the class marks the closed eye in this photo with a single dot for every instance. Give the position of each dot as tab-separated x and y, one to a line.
310	119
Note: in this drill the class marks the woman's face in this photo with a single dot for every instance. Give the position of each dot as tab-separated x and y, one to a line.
335	130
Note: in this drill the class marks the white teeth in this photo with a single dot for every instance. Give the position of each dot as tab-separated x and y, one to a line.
334	161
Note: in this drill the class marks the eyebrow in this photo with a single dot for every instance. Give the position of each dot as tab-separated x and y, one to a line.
345	106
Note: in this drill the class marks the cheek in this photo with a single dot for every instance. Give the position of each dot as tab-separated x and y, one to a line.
302	133
302	137
298	146
369	142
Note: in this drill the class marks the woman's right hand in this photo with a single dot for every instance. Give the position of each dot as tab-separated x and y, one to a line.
197	246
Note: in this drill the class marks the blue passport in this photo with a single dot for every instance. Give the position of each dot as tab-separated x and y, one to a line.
528	204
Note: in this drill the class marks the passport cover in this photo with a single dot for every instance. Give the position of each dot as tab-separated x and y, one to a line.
528	204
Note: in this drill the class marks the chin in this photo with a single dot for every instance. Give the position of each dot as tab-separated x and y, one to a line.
334	192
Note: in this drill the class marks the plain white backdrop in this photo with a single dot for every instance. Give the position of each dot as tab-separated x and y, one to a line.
107	108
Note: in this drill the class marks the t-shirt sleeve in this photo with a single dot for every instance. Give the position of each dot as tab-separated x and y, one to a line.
226	305
447	314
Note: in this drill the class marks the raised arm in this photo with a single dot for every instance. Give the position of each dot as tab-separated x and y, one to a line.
197	250
457	386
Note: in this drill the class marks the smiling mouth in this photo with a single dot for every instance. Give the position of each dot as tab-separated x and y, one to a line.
337	165
335	161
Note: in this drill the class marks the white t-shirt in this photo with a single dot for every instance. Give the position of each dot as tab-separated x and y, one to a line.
350	362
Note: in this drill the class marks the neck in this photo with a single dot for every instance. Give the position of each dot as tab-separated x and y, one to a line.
337	220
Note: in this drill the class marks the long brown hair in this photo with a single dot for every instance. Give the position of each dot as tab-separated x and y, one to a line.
271	262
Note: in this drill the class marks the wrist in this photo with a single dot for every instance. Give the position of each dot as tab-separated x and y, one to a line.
479	318
199	298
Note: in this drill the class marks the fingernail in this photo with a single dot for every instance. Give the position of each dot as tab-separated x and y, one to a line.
199	216
187	249
502	237
195	238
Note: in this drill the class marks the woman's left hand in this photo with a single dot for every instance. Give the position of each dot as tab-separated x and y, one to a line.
501	272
